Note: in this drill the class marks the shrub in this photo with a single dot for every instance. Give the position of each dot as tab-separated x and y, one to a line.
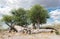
57	32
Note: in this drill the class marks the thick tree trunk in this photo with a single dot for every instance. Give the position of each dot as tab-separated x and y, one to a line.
38	25
11	28
34	27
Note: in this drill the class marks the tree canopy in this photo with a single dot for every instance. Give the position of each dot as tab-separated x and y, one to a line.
9	20
20	16
38	14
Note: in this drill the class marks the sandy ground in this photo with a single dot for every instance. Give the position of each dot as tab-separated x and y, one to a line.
27	36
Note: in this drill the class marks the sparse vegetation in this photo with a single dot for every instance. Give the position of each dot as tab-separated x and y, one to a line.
36	15
57	32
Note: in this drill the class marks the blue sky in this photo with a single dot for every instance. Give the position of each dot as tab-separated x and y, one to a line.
53	6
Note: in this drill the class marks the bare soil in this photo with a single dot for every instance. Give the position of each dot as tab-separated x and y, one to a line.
6	35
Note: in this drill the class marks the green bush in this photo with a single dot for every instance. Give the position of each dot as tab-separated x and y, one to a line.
57	33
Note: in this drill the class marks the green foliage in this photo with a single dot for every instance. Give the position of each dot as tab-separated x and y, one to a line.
38	14
20	16
7	18
57	32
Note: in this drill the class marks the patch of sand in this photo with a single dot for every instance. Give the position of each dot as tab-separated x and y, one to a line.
27	36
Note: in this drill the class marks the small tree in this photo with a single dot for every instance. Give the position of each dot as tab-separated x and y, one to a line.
20	16
9	20
38	14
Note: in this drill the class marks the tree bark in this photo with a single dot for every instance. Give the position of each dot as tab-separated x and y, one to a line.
38	24
34	27
11	28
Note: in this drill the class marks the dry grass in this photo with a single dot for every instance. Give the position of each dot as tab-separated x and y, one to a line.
6	35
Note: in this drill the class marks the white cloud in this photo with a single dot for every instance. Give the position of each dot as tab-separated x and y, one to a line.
5	11
7	5
19	3
55	15
26	3
56	21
